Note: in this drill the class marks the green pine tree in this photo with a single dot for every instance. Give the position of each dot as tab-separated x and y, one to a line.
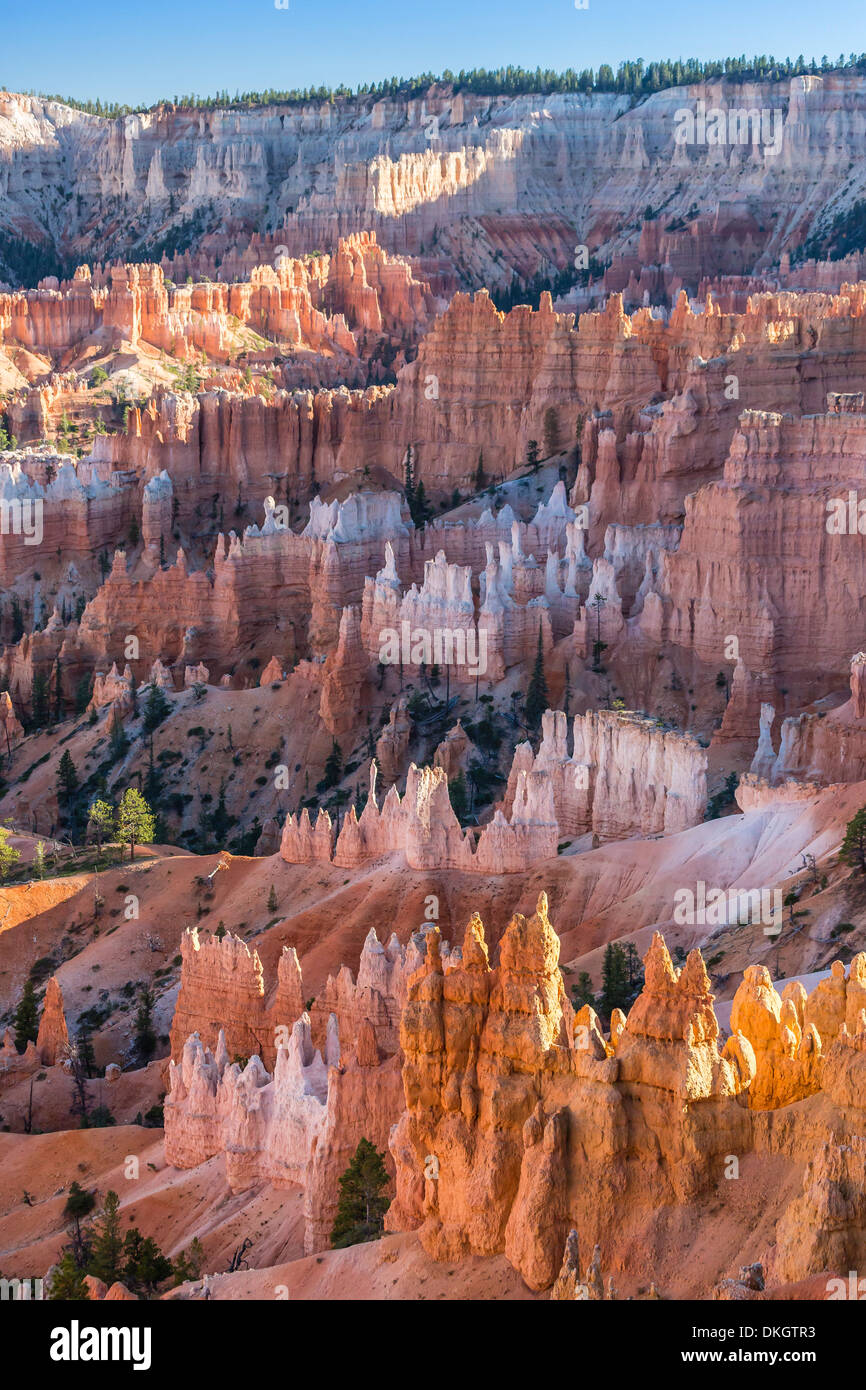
551	432
362	1205
9	856
67	778
58	692
536	694
79	1203
156	707
187	1265
17	619
83	692
117	735
634	968
334	765
39	700
614	979
583	992
67	1281
86	1059
26	1021
106	1260
144	1266
220	821
853	849
144	1033
101	816
459	795
409	485
135	820
153	780
423	510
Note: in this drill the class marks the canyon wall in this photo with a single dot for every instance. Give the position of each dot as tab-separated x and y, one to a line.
457	176
625	775
342	305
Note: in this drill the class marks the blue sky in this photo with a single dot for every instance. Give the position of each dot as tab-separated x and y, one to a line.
140	52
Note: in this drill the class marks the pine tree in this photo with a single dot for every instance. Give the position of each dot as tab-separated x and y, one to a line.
272	900
536	694
9	856
39	700
614	979
480	479
117	735
80	1074
153	780
532	455
422	509
67	1281
79	1203
135	821
578	433
551	432
583	992
362	1205
409	486
156	707
102	817
459	795
220	821
39	860
67	778
334	765
598	646
26	1021
144	1265
853	849
106	1261
634	968
84	1048
17	619
58	692
188	1264
83	692
145	1034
